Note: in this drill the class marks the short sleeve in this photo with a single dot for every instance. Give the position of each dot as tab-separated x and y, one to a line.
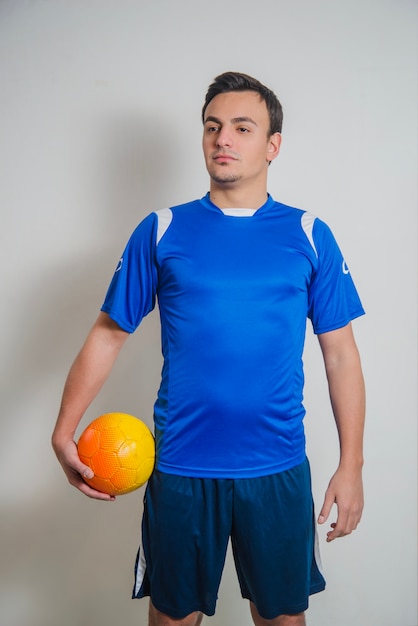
333	300
132	292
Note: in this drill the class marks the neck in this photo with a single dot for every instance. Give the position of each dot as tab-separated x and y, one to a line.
229	197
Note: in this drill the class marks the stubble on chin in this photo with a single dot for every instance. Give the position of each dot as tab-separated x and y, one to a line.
224	178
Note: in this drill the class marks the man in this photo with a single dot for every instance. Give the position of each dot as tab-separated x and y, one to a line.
236	275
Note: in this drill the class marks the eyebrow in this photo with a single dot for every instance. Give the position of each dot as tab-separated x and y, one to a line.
235	120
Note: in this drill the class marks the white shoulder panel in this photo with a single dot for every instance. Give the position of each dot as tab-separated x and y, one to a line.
164	220
307	223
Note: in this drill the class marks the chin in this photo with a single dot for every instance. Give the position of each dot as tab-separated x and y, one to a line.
224	179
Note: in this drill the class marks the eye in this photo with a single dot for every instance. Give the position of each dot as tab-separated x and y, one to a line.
212	129
243	129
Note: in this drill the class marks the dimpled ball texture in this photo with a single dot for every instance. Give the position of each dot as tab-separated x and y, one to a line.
120	449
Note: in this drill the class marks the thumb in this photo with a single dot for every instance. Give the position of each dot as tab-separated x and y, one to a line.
326	508
72	457
86	471
78	467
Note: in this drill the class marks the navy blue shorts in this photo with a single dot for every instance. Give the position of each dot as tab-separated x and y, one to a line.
186	527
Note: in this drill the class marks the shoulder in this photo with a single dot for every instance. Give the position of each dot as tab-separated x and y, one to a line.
156	223
180	214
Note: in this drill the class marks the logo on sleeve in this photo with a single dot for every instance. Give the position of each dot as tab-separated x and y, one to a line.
345	268
119	267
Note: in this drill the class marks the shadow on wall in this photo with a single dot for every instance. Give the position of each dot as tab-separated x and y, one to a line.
52	319
66	559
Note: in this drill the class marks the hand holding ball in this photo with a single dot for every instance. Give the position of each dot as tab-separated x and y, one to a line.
120	449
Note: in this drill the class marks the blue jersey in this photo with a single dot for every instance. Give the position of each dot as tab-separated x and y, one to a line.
234	294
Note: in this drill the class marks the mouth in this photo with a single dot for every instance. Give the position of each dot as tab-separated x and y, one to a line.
223	158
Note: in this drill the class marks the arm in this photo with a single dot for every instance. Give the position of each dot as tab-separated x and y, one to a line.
85	379
346	386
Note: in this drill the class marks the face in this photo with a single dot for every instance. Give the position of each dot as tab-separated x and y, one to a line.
236	143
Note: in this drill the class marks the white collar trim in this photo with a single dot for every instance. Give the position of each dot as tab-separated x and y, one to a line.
239	212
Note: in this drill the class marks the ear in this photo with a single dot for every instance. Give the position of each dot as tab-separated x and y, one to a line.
273	147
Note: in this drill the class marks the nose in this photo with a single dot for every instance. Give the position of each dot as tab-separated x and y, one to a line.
224	138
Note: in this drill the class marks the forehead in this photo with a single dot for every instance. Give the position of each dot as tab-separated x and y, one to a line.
238	104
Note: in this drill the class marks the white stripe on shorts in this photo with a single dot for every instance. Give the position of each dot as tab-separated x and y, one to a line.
141	567
317	554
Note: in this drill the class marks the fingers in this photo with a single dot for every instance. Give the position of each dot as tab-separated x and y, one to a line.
76	480
347	521
93	493
341	528
349	503
76	471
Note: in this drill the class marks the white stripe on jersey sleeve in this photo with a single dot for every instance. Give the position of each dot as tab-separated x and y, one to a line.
307	223
164	220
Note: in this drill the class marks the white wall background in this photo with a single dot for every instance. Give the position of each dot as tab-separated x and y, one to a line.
100	124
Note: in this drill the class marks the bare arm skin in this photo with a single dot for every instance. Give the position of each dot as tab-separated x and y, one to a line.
346	387
86	377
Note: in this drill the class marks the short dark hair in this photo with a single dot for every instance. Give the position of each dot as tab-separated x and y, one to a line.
235	81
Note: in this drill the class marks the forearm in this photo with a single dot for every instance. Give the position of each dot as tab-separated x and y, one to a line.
347	394
87	375
346	386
